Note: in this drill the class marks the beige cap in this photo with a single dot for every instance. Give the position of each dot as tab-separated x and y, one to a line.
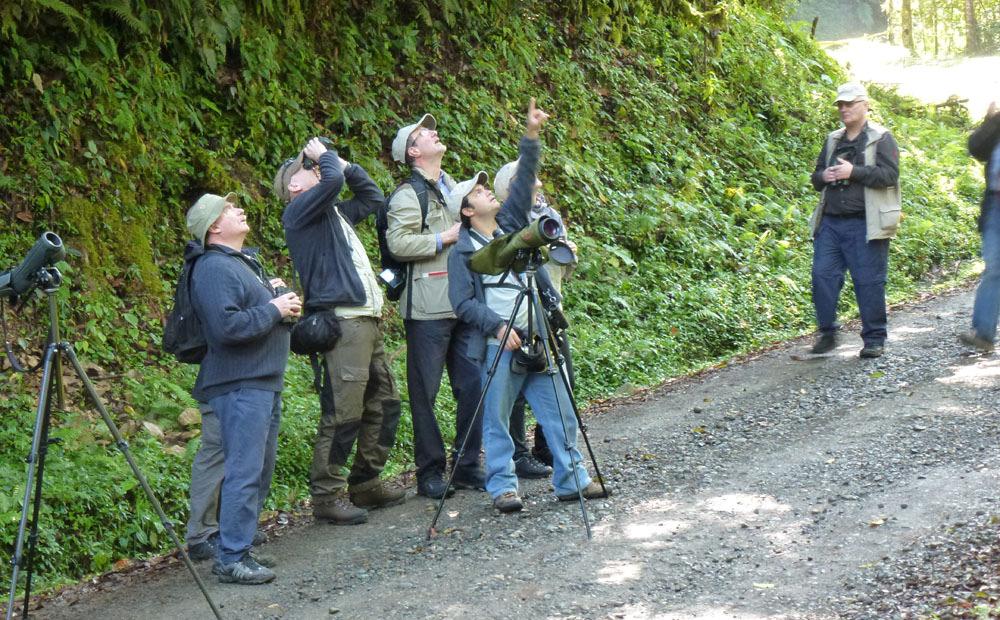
204	212
285	174
501	182
850	92
403	135
463	189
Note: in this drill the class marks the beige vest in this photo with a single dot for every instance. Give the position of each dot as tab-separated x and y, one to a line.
883	207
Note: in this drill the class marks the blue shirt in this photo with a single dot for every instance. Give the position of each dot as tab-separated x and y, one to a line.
993	170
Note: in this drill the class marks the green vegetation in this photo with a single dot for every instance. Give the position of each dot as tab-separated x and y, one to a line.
680	148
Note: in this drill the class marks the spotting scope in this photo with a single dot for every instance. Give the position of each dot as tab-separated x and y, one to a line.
509	251
47	251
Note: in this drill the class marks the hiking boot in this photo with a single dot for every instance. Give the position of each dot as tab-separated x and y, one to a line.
594	490
508	501
977	342
472	478
259	538
245	572
871	351
529	467
825	343
339	510
204	550
379	496
264	559
434	487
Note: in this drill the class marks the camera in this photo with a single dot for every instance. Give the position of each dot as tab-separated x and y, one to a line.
394	281
278	292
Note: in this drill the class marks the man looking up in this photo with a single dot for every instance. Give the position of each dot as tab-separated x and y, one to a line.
857	175
337	276
242	374
487	303
421	231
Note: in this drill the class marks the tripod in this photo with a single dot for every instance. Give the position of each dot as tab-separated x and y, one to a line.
50	279
554	365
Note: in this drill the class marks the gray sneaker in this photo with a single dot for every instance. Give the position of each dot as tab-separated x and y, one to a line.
508	501
977	342
204	550
245	572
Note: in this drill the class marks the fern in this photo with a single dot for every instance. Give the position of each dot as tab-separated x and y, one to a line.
122	9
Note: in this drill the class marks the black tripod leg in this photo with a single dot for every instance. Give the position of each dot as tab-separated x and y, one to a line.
572	402
34	459
475	416
123	447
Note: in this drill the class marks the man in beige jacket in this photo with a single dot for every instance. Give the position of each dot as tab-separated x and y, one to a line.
421	232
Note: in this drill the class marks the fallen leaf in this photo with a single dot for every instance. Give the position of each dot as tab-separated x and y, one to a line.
25	216
153	430
763	586
876	522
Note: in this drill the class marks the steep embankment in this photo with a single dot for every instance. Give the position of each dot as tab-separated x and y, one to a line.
679	153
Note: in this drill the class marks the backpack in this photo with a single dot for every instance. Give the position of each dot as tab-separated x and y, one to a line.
394	271
182	333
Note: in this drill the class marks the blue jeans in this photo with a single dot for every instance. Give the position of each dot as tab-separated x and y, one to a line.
547	403
987	305
249	420
840	246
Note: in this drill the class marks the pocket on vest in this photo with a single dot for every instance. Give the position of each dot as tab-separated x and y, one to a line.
889	216
430	294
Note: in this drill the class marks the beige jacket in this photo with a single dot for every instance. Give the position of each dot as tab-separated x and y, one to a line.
427	277
883	207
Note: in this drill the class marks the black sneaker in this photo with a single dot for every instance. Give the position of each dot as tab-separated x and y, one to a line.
825	343
473	478
434	487
871	351
204	550
246	572
529	467
508	501
259	538
543	454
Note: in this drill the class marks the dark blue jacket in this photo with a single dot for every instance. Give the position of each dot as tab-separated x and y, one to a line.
247	343
982	145
465	287
316	239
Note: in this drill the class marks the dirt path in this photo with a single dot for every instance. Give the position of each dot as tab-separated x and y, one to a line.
933	81
768	489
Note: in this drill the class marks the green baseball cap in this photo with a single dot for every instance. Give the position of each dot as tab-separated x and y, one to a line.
204	212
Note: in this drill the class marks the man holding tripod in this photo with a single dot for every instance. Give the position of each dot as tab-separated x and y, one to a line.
487	303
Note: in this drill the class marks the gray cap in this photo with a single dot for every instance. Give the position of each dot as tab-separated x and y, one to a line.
501	182
851	92
285	174
204	212
463	189
403	136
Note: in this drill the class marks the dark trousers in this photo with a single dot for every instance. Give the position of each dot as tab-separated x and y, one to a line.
431	346
840	246
517	431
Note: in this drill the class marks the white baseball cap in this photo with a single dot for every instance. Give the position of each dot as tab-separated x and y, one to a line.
403	136
463	189
851	92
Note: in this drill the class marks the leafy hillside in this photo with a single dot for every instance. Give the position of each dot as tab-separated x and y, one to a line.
680	147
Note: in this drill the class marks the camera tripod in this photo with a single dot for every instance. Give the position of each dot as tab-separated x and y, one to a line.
555	364
49	279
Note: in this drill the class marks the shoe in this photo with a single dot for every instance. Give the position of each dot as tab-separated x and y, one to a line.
259	538
378	496
594	490
434	486
246	572
529	467
204	550
871	351
977	342
472	478
543	454
264	559
340	511
507	502
825	343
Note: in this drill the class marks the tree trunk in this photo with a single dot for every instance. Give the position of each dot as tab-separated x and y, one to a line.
906	24
973	41
890	15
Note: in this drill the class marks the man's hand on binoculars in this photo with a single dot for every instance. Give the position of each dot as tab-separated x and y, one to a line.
513	340
314	148
536	118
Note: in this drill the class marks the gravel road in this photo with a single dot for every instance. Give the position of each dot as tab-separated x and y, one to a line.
767	489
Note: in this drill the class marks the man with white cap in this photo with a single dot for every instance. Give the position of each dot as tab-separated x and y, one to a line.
420	232
242	374
857	175
487	303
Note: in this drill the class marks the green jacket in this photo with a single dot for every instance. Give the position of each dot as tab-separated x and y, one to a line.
883	205
427	278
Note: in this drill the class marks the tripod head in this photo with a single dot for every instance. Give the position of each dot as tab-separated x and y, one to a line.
36	268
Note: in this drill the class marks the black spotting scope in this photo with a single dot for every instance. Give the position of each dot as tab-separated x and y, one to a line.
47	251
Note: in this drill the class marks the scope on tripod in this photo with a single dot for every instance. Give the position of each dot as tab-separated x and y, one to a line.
499	255
47	251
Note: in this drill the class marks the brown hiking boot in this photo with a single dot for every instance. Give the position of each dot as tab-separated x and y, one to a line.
339	510
594	490
378	496
508	501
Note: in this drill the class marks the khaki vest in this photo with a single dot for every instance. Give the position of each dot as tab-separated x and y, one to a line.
883	207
